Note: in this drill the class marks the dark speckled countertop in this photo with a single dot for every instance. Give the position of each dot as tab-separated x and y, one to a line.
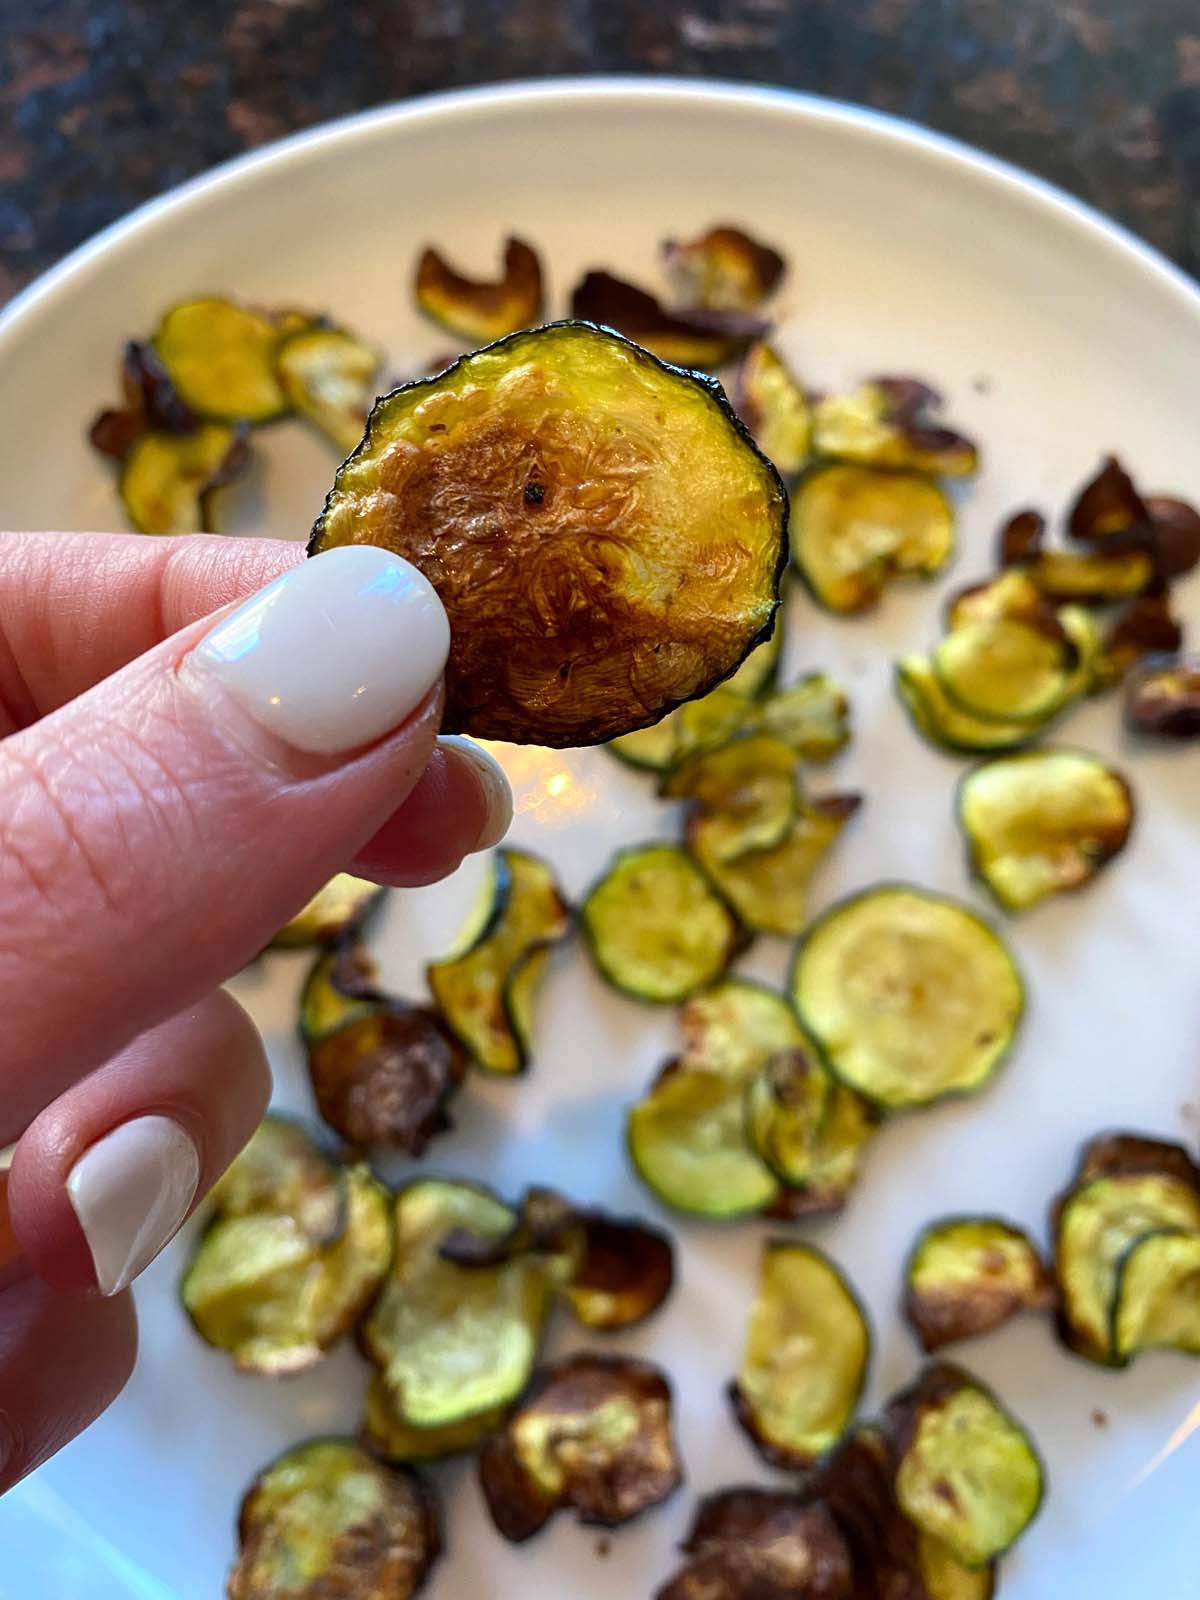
104	103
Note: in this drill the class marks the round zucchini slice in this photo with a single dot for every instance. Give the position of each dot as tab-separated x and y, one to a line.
1043	822
329	378
943	723
735	1027
806	1357
968	1275
327	1519
168	481
910	996
655	928
773	405
1009	669
605	537
747	791
334	912
221	358
1157	1301
478	310
283	1170
762	1544
384	1080
386	1434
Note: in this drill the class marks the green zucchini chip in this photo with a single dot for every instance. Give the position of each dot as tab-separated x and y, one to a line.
337	910
544	1224
746	790
723	269
341	987
221	358
329	376
909	995
594	1434
1094	578
968	1275
479	310
735	1027
1157	1301
810	1131
1163	698
773	405
887	423
655	928
967	1473
283	1170
813	716
762	1544
938	719
1009	669
327	1519
564	492
690	336
1043	822
168	482
854	527
384	1080
806	1356
386	1434
625	1272
485	992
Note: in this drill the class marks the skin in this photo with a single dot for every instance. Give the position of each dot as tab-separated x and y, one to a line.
151	850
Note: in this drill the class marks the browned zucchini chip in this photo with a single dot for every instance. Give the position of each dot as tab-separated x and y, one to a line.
564	493
762	1544
386	1434
887	423
593	1434
284	1170
150	404
805	1362
221	358
1174	535
1163	698
333	912
329	376
1021	537
772	403
813	716
810	1131
327	1520
342	986
1157	1300
746	791
1144	627
477	309
735	1027
1010	594
625	1274
545	1223
1108	507
722	269
967	1473
968	1275
1010	669
688	336
1094	578
169	482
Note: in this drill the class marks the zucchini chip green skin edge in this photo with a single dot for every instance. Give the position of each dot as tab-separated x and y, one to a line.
909	698
883	1110
717	397
950	1220
1114	1310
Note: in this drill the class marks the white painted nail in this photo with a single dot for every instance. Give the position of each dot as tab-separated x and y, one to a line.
333	654
130	1191
492	781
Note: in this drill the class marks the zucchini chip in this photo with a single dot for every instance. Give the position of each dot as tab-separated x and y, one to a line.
386	1434
260	1287
221	358
736	1027
327	1519
475	309
1021	538
1043	822
887	423
282	1170
805	1361
150	404
329	378
944	724
809	1130
773	405
745	790
1174	535
655	928
565	492
967	1473
485	992
341	987
334	912
452	1342
968	1275
625	1272
594	1434
691	337
1143	628
1092	578
168	482
762	1544
813	716
1157	1301
854	527
1009	669
909	995
1108	507
1163	698
723	269
1011	594
545	1224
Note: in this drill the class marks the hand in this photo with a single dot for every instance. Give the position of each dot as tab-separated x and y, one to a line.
173	787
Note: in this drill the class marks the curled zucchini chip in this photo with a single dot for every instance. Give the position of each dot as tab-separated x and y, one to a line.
545	1224
1157	1300
485	993
687	336
1021	538
335	911
284	1171
854	526
746	791
625	1272
1163	698
594	1435
327	1519
722	269
1011	594
169	481
384	1079
329	377
150	404
1174	535
1144	627
479	310
221	358
967	1473
813	716
655	928
805	1360
386	1434
909	995
1009	669
762	1544
1043	822
939	720
968	1275
735	1027
887	424
341	987
809	1130
773	405
1094	578
564	492
1108	507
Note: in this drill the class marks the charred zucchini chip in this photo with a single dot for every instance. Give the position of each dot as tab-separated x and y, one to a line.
1144	627
1094	578
488	986
887	423
386	1434
736	1027
773	405
813	716
805	1360
723	269
1021	538
384	1080
150	404
221	358
939	720
1043	822
545	1224
563	491
909	995
968	1275
594	1434
853	527
327	1519
341	987
169	481
655	928
809	1130
1174	535
1009	670
477	309
967	1473
329	378
284	1171
334	912
746	791
690	337
452	1342
1108	507
625	1272
1163	698
762	1544
1157	1300
262	1289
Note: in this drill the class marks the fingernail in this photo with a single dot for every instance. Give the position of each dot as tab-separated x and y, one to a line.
333	654
130	1191
497	795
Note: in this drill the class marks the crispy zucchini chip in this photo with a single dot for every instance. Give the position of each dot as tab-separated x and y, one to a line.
849	1122
384	1080
282	1170
723	269
1108	507
594	1435
386	1434
655	928
341	987
150	404
772	403
746	791
1157	1300
735	1027
688	336
887	423
813	716
810	1131
169	481
1174	535
1021	538
762	1544
1043	822
855	526
967	1473
1009	669
326	1520
329	377
1144	627
968	1275
909	995
605	537
1163	698
545	1223
1094	578
625	1272
334	912
939	720
485	993
221	358
805	1361
1010	594
477	309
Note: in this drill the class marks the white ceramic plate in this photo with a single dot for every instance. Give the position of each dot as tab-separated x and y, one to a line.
1055	337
